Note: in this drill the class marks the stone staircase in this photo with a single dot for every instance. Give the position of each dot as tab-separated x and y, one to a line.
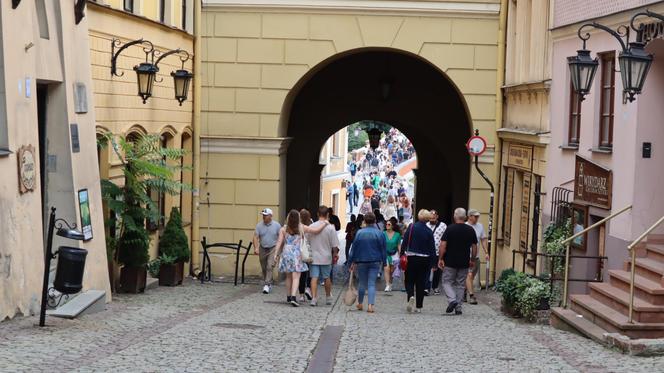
605	309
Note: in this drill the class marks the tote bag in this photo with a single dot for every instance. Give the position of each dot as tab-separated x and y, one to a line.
350	296
305	249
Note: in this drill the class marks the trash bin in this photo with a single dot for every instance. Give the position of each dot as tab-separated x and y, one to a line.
69	273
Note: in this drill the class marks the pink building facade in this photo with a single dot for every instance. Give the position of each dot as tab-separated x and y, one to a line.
607	131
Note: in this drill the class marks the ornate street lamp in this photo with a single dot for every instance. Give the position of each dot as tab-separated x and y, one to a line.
145	71
633	60
181	77
375	130
582	71
145	77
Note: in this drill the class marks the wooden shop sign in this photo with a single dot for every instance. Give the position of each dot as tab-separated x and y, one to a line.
27	169
593	183
520	156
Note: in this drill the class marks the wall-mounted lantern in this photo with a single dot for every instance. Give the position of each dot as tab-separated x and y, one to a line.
633	60
181	77
146	72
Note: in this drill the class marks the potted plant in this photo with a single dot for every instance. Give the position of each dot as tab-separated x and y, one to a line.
145	166
173	245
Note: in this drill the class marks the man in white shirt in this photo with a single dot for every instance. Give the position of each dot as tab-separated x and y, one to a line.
438	228
324	247
482	241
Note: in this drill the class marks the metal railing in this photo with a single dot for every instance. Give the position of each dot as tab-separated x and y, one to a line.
568	242
632	249
551	276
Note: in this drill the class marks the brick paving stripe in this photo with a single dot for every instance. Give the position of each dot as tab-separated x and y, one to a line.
326	350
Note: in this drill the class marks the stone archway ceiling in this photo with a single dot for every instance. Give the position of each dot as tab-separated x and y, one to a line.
421	102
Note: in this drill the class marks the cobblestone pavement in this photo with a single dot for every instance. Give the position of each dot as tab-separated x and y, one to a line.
221	328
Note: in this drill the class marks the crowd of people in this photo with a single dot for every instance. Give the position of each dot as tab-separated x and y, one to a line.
429	254
374	181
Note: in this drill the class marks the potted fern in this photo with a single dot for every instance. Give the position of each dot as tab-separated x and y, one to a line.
173	244
145	166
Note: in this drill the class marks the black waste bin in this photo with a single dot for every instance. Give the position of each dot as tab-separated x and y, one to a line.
69	273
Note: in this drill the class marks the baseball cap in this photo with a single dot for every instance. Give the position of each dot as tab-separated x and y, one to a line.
473	212
266	212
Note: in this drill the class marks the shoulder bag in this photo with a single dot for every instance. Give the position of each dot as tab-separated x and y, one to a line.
305	250
350	296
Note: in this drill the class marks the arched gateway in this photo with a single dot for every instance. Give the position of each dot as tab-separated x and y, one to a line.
390	86
278	78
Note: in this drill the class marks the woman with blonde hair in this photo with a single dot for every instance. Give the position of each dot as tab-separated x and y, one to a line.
418	245
291	237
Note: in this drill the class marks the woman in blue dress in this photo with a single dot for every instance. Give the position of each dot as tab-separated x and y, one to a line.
289	253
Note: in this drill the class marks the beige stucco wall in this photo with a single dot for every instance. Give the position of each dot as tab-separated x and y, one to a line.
118	107
61	61
254	55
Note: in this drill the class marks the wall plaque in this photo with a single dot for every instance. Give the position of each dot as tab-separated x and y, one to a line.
593	183
520	156
525	211
509	195
27	169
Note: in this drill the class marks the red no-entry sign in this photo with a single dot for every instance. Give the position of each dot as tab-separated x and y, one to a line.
476	145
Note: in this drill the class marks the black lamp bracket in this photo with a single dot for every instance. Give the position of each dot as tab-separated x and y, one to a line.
116	43
183	54
621	32
639	30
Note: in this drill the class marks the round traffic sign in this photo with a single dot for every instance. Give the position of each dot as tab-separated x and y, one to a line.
476	145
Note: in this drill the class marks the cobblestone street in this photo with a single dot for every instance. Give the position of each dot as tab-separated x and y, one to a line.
220	328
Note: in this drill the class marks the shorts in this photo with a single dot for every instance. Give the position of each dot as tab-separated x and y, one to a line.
320	271
476	267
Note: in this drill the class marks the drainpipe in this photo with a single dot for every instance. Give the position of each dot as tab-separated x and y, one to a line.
498	159
195	220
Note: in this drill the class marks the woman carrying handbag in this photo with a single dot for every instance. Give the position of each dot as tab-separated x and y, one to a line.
289	253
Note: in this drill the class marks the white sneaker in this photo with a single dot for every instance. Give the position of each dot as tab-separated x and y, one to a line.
266	289
411	305
307	293
313	303
418	310
388	288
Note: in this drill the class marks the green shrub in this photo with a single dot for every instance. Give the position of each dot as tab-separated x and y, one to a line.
522	292
174	242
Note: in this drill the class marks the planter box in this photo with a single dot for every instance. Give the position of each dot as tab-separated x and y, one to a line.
171	274
132	279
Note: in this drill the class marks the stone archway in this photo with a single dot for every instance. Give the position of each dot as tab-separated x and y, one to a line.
390	86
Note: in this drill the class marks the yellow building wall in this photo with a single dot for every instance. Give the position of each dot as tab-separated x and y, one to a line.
119	108
253	57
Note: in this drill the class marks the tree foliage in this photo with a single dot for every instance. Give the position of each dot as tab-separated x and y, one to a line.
145	166
174	242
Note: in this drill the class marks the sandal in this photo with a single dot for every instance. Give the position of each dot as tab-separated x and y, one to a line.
370	309
359	307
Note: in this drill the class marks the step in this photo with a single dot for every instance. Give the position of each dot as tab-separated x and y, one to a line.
566	319
619	301
613	321
87	302
655	251
644	288
649	268
151	283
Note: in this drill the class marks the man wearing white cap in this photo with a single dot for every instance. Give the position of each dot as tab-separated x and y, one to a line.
482	240
265	242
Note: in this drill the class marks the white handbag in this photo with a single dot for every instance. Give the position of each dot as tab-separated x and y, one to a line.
305	250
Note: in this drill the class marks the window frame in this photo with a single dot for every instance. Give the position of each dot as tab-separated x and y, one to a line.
162	11
574	133
184	14
607	59
128	5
